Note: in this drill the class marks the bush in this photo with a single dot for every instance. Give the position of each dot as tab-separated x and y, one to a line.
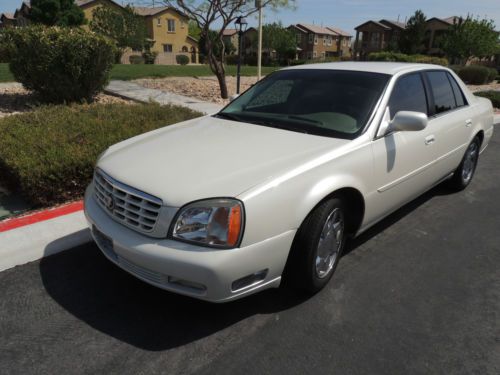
149	57
494	96
182	59
401	57
493	74
49	154
61	64
5	45
232	59
475	74
136	59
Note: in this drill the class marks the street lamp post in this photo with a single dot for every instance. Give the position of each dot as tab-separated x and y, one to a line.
242	23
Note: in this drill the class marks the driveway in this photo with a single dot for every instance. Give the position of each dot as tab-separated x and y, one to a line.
417	294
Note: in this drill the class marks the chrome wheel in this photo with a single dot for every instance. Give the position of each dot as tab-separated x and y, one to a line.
330	243
470	161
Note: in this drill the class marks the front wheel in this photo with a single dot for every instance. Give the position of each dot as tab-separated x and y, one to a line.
463	174
317	248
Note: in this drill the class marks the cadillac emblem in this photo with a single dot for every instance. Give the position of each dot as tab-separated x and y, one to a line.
109	202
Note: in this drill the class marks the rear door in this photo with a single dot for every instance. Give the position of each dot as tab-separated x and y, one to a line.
451	119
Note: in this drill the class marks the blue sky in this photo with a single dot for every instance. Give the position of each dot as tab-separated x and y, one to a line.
347	14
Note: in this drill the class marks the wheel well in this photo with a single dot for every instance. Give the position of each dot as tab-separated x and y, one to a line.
480	134
355	207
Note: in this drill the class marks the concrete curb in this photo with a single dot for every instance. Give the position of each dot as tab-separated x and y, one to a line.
32	242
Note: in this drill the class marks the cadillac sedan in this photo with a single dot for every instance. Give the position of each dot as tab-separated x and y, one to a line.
269	189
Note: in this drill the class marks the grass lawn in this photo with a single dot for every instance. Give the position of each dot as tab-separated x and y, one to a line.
48	155
128	72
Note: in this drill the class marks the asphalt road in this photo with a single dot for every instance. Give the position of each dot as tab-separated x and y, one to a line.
418	294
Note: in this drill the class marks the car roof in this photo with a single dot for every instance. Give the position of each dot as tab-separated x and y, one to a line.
391	68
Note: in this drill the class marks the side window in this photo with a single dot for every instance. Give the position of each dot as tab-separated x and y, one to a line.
408	95
459	95
444	99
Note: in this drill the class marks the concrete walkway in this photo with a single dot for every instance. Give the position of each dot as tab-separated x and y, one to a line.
133	91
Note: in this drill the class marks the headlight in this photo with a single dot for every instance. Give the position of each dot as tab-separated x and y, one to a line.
211	222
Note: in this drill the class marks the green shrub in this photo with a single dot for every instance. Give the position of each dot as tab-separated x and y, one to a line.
49	154
492	74
494	96
136	59
475	74
182	59
5	45
61	64
401	57
149	57
232	59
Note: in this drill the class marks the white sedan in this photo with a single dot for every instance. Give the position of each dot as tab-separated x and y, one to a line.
268	190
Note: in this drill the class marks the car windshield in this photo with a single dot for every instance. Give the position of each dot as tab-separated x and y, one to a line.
334	103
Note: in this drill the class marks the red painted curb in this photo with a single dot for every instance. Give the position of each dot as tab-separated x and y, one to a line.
39	216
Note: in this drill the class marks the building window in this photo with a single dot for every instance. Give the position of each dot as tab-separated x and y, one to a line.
184	49
311	38
299	38
315	54
323	55
171	26
309	55
315	39
324	40
158	21
167	48
329	41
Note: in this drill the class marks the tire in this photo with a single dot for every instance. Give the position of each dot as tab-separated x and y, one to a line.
463	174
317	248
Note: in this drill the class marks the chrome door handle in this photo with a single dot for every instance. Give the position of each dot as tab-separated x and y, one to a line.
468	123
429	139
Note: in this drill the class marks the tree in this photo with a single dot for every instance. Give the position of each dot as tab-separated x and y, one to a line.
206	13
124	26
412	38
194	30
280	39
56	13
470	38
219	49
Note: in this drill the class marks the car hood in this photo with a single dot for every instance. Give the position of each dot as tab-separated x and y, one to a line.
209	157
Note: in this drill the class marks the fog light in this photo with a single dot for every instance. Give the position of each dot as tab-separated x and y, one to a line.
252	279
187	284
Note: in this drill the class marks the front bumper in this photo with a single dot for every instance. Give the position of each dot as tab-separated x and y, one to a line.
182	268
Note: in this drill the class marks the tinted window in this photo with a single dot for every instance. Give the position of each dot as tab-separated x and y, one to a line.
444	99
408	95
459	96
333	103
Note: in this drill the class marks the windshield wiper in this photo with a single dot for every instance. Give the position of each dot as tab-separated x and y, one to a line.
293	117
228	116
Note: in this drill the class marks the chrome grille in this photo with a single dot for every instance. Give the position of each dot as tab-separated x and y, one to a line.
127	205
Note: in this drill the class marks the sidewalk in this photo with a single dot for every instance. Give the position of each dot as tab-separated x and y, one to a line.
133	91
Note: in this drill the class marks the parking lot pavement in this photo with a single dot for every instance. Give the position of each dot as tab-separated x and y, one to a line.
419	294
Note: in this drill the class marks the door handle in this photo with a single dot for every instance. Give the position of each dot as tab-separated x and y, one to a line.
429	139
468	123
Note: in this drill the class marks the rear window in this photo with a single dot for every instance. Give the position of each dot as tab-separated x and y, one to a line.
444	98
459	96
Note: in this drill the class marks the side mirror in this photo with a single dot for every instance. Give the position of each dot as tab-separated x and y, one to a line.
232	97
408	121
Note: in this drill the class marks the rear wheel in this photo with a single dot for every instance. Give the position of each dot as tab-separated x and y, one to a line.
317	248
465	171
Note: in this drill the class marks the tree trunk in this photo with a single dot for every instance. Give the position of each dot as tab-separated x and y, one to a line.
218	68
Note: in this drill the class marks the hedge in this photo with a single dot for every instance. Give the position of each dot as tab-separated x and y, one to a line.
61	64
48	155
494	96
401	57
182	59
476	74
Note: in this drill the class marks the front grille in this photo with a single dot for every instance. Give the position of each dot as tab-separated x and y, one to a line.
127	205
